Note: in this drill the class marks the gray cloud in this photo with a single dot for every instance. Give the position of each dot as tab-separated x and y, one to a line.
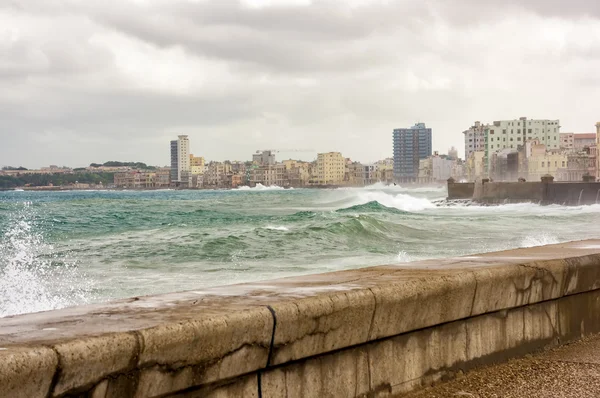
96	79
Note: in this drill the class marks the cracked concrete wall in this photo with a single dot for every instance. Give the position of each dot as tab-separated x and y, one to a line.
377	331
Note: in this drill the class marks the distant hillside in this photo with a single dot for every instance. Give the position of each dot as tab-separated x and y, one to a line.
40	180
135	165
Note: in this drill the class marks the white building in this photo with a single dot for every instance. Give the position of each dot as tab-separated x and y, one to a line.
180	160
442	168
510	134
474	139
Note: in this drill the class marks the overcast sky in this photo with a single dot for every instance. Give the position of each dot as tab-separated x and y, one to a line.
86	81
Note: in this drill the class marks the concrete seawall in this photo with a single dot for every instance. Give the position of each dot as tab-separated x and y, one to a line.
377	331
562	193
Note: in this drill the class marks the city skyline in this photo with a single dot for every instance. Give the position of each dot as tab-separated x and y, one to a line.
87	81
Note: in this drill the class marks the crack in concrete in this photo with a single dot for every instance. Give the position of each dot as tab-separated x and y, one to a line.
372	324
57	372
474	294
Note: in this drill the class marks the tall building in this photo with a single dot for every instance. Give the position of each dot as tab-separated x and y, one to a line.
264	158
510	134
474	139
331	168
180	160
453	153
410	146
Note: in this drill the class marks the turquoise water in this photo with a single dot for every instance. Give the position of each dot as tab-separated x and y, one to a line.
66	248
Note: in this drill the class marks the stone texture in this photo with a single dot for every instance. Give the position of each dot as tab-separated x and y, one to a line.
321	324
570	371
509	286
26	372
402	363
344	374
578	315
244	387
418	303
86	362
194	352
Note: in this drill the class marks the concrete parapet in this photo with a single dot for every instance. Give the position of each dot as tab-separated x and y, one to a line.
370	332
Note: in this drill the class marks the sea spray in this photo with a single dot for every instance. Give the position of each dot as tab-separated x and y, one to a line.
32	277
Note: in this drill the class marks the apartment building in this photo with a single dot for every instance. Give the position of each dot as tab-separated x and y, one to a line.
475	138
410	146
330	170
180	161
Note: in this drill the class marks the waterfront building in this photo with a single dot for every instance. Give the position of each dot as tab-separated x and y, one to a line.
330	170
474	139
474	166
542	162
410	146
510	134
355	173
298	172
435	168
135	179
269	175
579	164
197	165
453	153
180	161
577	142
264	158
370	174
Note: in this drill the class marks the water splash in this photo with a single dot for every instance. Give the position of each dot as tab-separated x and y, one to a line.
539	240
261	187
32	277
404	257
273	228
400	201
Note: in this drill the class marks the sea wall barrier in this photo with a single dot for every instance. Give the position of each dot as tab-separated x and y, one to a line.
544	192
372	332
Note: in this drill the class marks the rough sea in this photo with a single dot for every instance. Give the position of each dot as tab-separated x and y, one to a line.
60	249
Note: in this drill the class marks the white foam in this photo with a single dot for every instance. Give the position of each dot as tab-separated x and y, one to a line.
404	257
261	187
29	280
541	239
272	228
399	201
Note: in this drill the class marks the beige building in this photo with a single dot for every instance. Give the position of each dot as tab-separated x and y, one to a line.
576	142
298	172
541	163
474	166
269	175
331	167
143	180
197	165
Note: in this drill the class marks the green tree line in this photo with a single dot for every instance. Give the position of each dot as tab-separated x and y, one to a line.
40	180
135	165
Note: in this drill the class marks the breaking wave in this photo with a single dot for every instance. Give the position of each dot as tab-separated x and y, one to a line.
261	187
32	277
399	201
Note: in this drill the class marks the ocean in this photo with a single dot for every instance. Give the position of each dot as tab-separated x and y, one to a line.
61	249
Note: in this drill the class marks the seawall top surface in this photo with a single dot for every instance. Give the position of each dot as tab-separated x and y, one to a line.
410	279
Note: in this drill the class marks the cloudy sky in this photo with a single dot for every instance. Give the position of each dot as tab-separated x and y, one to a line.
94	80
